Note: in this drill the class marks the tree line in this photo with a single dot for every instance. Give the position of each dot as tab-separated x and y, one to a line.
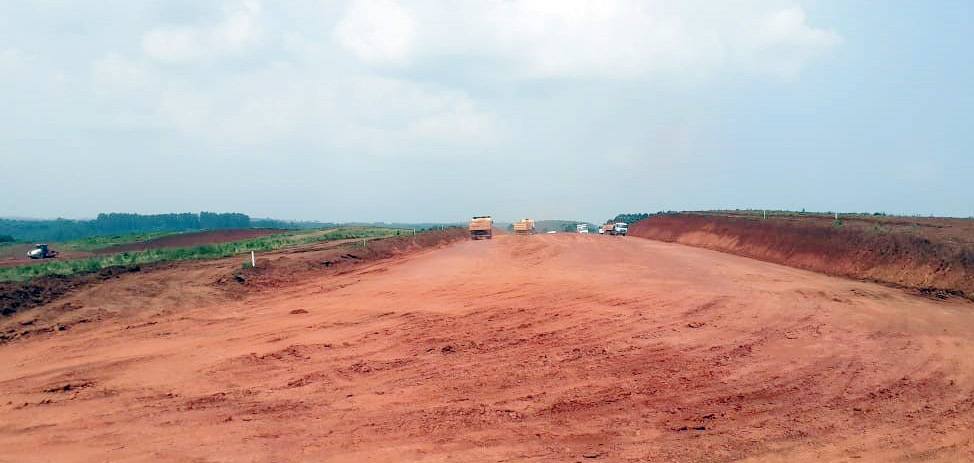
124	223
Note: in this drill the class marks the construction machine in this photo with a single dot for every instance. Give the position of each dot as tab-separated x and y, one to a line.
41	251
524	227
481	226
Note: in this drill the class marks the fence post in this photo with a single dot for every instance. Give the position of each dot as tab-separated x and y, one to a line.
253	259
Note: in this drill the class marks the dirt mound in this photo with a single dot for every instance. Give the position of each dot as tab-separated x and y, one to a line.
285	269
19	296
184	240
933	256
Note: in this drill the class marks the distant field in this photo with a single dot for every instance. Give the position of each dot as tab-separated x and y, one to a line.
13	254
179	240
93	243
150	251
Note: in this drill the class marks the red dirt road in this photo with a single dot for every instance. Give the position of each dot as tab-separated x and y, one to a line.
535	348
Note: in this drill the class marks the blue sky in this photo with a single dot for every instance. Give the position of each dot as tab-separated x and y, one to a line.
430	111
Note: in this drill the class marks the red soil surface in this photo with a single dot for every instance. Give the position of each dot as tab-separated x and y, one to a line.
523	348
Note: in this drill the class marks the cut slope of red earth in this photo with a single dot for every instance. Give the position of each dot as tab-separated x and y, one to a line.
934	256
545	348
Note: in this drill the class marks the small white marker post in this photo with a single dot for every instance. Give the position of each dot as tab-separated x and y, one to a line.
253	259
836	216
765	215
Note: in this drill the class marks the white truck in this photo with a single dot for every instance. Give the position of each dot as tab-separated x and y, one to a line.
618	228
581	228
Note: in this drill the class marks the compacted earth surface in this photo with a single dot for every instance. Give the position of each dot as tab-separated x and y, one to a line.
557	348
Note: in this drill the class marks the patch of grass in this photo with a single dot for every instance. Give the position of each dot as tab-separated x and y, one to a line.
206	251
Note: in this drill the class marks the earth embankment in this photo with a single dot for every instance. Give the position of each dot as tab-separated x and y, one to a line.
934	256
170	283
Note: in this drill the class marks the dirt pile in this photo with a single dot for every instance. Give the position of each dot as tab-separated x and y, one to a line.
283	270
935	262
18	296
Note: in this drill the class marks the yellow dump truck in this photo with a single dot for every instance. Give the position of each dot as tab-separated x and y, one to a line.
524	227
481	226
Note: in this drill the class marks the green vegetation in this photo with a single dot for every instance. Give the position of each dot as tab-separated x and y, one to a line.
6	239
207	251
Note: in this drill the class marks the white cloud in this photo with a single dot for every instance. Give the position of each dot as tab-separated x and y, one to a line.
12	60
175	44
114	74
386	114
172	44
782	43
285	103
241	25
22	71
377	31
590	38
299	86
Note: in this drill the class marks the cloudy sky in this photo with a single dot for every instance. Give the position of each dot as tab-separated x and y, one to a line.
423	110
